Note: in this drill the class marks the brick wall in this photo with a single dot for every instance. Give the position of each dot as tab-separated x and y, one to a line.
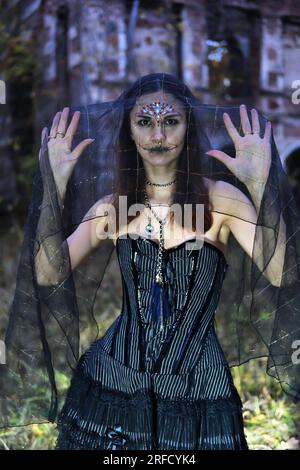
83	55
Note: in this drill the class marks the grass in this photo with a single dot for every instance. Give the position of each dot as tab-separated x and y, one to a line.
271	420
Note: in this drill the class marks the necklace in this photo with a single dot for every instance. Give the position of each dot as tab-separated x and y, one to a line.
160	184
149	229
160	306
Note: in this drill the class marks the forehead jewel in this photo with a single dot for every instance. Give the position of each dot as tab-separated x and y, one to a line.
157	109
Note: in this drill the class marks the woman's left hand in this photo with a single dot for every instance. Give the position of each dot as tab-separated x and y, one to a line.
253	153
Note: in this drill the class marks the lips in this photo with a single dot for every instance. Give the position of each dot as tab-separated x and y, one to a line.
159	149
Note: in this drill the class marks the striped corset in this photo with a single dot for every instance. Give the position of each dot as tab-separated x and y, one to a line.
138	387
194	279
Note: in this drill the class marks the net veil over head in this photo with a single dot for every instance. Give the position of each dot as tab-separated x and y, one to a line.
255	317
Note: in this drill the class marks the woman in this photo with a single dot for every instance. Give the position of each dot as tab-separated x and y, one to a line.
158	378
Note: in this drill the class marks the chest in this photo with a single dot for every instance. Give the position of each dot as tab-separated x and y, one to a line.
175	233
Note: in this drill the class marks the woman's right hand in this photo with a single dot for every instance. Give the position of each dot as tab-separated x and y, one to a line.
62	158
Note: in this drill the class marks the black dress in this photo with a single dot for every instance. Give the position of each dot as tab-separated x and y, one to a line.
139	387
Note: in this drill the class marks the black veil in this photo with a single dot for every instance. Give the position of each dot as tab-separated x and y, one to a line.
44	337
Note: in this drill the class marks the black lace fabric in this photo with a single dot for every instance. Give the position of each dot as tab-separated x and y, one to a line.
182	424
46	321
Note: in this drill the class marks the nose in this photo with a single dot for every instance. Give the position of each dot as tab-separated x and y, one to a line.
158	134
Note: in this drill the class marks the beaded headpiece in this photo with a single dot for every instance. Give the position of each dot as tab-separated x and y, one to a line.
157	109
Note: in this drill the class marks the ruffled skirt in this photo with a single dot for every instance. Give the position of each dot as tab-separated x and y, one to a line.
124	410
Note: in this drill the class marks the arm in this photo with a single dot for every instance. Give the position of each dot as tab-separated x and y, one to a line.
52	254
246	231
85	238
251	166
76	247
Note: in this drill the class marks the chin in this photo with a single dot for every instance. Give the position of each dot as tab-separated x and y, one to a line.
170	154
163	159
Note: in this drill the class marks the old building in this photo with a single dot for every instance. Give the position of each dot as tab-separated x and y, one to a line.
79	52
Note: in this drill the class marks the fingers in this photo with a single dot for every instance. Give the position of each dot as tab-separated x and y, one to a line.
60	121
80	148
246	126
73	125
54	126
255	121
230	127
62	126
268	131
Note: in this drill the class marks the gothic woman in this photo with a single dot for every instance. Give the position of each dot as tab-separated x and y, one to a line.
193	200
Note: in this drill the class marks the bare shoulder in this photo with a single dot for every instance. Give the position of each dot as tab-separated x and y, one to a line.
98	216
232	202
210	185
219	233
229	194
222	192
219	186
217	190
107	199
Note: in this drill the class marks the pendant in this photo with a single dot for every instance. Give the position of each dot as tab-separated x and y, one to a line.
149	229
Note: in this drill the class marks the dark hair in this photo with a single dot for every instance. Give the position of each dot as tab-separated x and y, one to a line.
190	186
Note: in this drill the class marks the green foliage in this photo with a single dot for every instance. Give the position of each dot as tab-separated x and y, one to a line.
18	61
271	420
26	168
17	67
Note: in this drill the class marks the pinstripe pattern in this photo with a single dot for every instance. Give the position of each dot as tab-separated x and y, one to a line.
179	376
188	347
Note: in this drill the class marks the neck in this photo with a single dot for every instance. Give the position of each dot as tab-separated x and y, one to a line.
159	175
160	194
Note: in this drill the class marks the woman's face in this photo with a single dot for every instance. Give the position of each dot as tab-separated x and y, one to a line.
158	127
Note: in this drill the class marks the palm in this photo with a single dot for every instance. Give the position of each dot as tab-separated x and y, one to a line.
253	153
62	158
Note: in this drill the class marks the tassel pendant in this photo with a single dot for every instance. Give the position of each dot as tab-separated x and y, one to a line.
160	306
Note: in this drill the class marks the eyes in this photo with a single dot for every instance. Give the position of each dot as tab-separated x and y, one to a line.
147	122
